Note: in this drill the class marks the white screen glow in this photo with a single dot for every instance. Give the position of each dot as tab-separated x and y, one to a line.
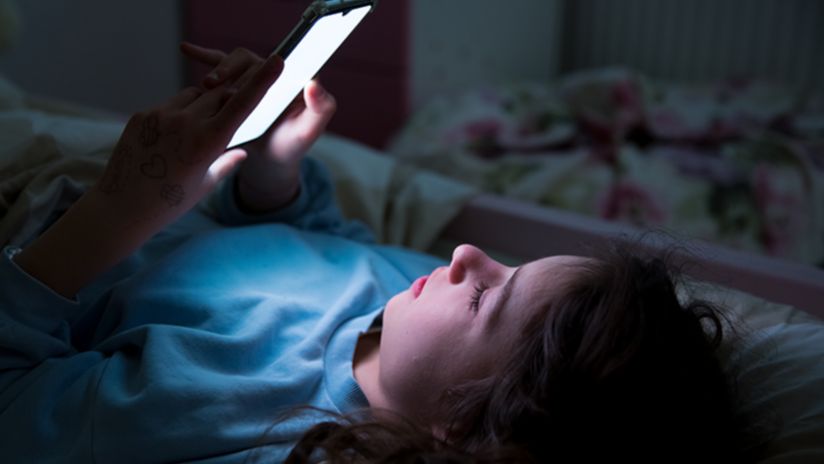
317	46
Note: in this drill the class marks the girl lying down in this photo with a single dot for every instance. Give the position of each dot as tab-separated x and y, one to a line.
139	329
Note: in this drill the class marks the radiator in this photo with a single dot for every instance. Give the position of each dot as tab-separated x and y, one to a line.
698	40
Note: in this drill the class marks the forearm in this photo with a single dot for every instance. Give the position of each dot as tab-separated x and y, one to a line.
166	161
86	241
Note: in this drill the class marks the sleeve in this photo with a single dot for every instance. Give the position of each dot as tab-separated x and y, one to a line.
45	384
34	320
61	404
313	210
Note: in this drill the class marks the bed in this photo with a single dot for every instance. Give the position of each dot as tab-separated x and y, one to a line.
733	169
50	152
740	163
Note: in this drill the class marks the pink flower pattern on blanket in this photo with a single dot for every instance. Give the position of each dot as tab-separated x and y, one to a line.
632	203
739	162
607	106
479	136
780	207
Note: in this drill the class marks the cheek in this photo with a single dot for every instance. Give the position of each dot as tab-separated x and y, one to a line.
404	309
412	366
427	330
397	309
414	334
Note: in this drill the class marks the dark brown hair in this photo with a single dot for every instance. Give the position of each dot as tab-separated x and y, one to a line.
616	368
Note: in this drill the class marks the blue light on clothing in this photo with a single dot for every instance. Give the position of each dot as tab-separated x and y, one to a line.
191	348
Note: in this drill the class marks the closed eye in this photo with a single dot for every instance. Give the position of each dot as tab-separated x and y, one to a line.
475	300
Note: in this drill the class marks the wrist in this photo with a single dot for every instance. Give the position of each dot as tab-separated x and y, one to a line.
266	187
253	198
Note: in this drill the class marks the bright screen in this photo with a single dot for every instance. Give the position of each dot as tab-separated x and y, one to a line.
302	64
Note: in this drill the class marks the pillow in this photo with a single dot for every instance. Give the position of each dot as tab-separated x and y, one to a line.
781	371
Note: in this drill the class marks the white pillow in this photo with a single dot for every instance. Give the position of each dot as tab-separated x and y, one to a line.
783	371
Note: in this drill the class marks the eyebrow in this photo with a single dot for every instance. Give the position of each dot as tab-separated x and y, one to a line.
506	293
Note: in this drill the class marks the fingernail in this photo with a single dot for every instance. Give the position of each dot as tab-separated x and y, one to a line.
213	77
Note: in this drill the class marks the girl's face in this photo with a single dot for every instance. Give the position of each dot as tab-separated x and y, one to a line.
458	324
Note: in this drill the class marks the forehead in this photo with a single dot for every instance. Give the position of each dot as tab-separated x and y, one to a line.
539	282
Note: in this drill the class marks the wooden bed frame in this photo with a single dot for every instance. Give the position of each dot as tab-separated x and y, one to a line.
527	231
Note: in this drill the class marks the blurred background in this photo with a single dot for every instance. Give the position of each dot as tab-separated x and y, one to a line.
123	56
700	116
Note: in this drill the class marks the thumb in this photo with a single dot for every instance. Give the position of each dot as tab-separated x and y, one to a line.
318	99
223	166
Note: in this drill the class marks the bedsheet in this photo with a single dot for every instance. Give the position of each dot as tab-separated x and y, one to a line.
738	162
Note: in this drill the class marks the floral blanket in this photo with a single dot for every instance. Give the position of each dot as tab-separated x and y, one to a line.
739	162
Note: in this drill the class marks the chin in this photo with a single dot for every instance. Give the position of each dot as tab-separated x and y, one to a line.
397	302
392	303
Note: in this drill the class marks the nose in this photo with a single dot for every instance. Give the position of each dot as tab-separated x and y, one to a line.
465	260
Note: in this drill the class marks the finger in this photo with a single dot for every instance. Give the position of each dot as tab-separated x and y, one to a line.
209	56
211	101
222	167
295	108
238	68
232	114
318	99
232	67
227	66
184	98
247	75
312	121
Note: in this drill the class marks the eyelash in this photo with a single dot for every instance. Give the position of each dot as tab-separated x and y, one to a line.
476	297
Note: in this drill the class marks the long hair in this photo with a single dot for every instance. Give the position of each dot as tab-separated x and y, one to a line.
615	368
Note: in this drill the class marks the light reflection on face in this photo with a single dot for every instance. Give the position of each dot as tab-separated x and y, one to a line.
458	323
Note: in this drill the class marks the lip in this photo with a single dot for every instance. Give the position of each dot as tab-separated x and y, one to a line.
420	282
417	285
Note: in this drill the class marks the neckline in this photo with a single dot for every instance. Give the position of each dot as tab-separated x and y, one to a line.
338	376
